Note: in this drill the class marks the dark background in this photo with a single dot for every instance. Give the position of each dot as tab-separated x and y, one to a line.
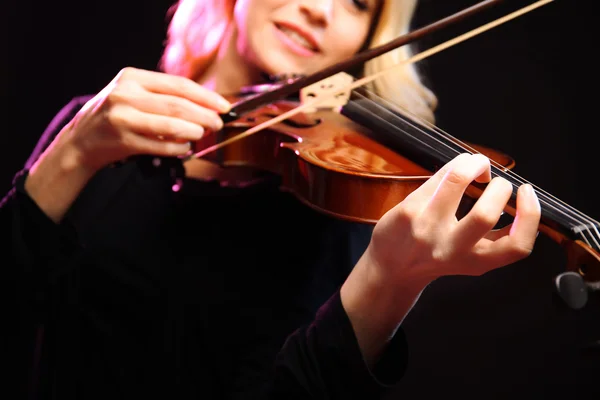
526	88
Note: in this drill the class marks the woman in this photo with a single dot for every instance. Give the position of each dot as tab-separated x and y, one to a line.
131	289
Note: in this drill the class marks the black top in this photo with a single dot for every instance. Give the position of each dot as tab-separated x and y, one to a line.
208	292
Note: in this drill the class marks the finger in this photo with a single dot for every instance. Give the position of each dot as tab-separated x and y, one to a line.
177	107
446	198
515	242
162	126
527	219
178	86
429	187
151	146
485	214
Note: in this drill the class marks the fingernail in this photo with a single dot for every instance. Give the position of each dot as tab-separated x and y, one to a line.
224	105
218	124
532	190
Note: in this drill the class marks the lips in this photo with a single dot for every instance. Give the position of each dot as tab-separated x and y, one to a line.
299	36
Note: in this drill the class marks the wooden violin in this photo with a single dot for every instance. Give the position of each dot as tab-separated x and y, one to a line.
358	161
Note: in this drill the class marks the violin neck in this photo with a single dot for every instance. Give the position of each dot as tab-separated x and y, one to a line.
431	148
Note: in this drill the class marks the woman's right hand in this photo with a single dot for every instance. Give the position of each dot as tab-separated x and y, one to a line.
143	112
139	112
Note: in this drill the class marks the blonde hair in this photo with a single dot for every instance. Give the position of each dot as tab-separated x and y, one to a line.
197	27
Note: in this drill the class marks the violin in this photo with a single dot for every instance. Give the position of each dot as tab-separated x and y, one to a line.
358	157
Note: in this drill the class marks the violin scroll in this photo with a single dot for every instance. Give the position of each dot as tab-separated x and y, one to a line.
582	275
584	260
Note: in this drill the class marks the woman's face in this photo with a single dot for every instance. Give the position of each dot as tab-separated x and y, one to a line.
301	36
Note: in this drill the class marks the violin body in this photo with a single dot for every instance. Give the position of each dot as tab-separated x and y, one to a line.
328	161
343	168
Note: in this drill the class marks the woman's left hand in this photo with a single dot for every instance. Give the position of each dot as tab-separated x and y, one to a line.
421	238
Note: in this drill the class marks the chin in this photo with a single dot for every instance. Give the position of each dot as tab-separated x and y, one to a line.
278	63
283	67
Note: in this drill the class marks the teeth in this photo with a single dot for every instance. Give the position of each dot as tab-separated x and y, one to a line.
296	37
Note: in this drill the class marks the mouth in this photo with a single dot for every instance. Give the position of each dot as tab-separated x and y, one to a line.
298	36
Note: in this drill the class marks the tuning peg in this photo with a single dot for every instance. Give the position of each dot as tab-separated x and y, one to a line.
572	289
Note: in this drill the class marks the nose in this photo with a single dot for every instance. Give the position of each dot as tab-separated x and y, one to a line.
317	11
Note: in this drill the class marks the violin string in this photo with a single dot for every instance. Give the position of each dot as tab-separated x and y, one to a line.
581	226
548	197
363	81
442	134
583	222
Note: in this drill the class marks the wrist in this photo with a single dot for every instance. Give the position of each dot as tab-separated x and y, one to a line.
57	177
62	160
67	156
374	296
376	304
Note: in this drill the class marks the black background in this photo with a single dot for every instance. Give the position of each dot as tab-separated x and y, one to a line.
526	88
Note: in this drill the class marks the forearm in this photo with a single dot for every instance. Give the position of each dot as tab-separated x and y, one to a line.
57	178
324	360
374	310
